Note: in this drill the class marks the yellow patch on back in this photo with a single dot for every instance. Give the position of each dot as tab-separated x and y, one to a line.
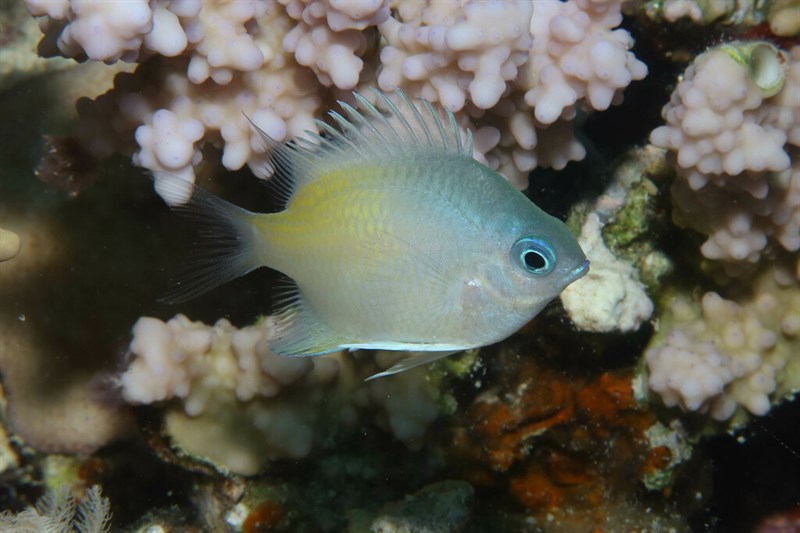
338	211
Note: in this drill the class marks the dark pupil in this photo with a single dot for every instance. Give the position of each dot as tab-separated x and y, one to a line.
534	260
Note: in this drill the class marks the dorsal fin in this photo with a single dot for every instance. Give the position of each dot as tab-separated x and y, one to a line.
364	134
371	129
402	124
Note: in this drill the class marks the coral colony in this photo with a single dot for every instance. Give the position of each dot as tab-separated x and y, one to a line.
686	327
279	58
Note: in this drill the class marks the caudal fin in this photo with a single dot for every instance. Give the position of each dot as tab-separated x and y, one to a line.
226	245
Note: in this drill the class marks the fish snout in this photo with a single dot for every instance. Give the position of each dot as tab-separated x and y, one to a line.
579	271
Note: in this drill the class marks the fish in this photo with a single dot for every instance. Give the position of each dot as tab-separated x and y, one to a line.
393	236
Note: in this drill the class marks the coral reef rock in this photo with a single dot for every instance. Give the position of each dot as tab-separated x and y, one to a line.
720	355
733	125
440	507
232	402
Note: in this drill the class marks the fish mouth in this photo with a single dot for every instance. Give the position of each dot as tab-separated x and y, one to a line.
579	271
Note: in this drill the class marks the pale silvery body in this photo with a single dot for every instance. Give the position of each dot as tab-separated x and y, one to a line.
395	238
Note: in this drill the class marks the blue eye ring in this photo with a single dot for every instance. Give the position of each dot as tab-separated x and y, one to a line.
534	255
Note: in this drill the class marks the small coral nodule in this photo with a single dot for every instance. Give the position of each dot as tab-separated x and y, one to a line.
9	244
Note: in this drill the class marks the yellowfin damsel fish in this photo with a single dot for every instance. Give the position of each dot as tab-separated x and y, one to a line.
394	236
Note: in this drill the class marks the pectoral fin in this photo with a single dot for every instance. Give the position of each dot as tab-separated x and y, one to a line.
414	360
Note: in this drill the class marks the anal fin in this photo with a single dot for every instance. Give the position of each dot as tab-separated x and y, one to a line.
299	330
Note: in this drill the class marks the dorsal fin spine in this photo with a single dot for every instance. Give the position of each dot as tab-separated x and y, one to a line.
356	117
457	132
438	122
337	139
348	128
420	119
312	140
375	114
396	112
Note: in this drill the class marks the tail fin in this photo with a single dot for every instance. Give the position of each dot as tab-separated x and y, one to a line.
227	242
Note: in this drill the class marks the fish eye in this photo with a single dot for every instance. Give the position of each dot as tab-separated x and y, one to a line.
534	255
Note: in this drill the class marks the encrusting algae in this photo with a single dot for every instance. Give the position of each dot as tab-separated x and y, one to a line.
394	236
